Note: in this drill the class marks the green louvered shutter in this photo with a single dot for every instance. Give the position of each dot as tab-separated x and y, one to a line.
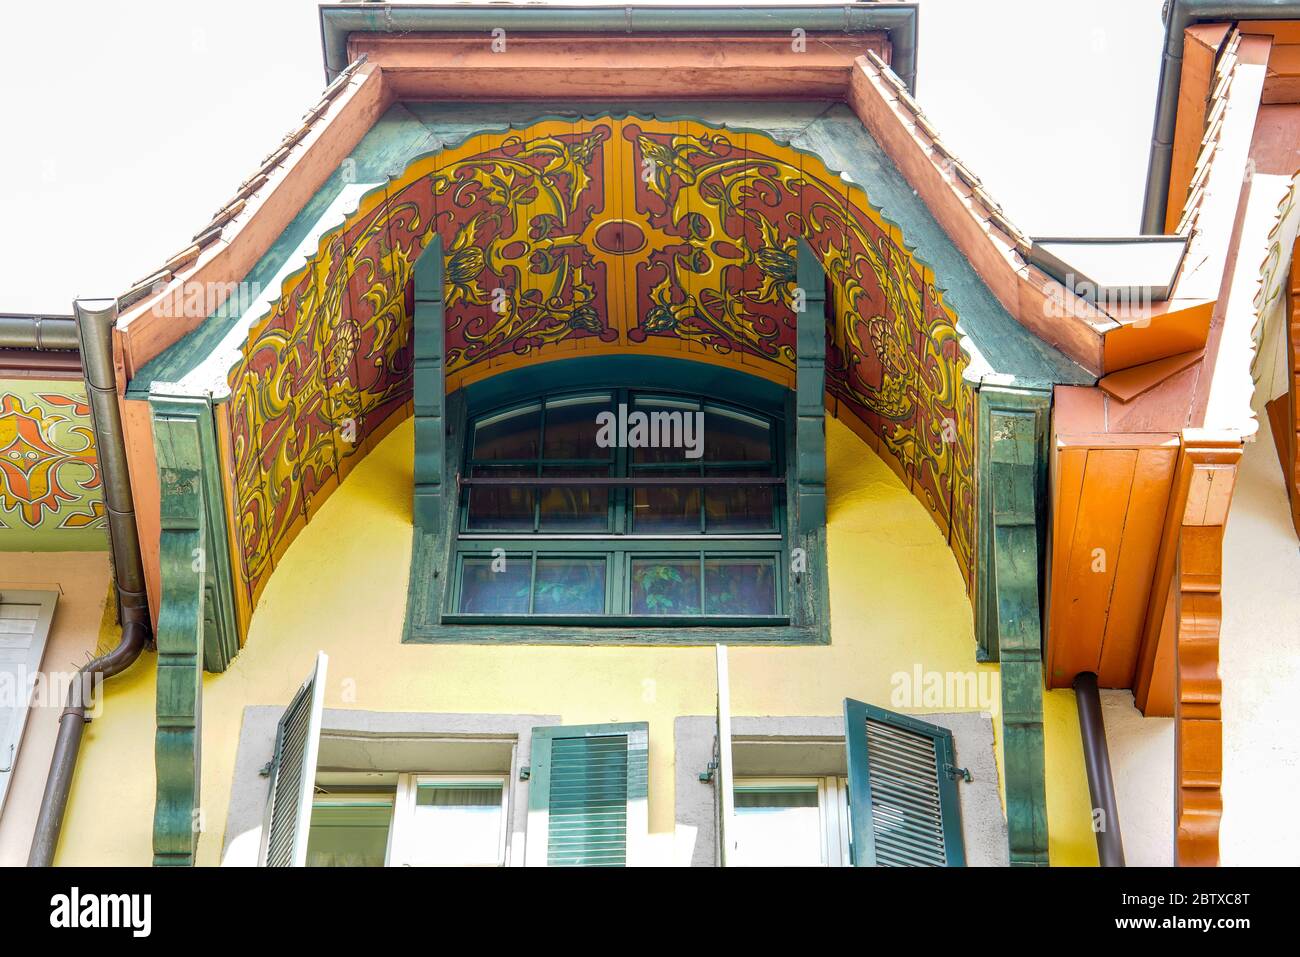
587	795
293	774
903	803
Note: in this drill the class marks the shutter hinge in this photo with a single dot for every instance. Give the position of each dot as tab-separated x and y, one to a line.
265	772
707	776
955	772
525	773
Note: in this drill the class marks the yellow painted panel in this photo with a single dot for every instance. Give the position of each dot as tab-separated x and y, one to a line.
1070	838
899	614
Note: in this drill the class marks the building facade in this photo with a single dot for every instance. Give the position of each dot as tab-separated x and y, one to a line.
632	436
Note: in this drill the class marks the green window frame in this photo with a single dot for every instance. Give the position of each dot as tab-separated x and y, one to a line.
906	767
441	416
588	787
618	551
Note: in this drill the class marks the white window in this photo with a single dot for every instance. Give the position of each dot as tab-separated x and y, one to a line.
362	819
450	820
791	822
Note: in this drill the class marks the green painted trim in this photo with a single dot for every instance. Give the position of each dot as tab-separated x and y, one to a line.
220	631
863	848
46	538
694	635
180	636
643	373
429	388
806	601
638	765
1013	431
810	389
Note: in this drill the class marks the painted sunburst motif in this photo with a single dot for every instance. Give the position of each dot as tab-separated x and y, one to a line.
48	469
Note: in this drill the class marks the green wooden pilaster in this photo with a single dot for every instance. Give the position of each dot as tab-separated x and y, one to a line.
430	393
183	560
220	633
1012	492
810	389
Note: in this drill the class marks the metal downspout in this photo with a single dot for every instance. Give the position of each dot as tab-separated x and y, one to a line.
1096	758
94	321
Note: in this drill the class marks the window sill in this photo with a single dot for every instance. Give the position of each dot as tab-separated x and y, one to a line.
606	622
465	629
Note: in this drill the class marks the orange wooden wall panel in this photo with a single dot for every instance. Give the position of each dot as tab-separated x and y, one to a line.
1093	561
1110	498
1144	522
1067	483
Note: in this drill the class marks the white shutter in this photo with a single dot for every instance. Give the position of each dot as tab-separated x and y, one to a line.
293	774
25	618
725	777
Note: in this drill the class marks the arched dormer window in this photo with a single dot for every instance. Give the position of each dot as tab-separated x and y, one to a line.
530	526
621	506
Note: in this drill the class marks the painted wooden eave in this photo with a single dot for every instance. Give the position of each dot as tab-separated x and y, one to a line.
1196	86
228	247
1249	177
1164	437
995	247
1106	340
340	23
1029	295
424	66
1192	27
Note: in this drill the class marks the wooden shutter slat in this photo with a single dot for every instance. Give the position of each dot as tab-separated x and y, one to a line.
588	801
293	774
584	780
903	803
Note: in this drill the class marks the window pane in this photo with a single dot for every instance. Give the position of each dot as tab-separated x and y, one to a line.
668	508
731	436
665	586
739	508
671	431
456	823
569	586
575	508
739	586
348	835
509	435
500	507
504	591
571	427
777	826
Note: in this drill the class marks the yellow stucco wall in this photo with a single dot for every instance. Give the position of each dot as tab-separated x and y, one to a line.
897	602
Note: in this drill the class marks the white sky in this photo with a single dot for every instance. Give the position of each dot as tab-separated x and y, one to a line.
126	126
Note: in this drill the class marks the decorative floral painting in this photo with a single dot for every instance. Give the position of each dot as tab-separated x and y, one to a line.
50	495
588	237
